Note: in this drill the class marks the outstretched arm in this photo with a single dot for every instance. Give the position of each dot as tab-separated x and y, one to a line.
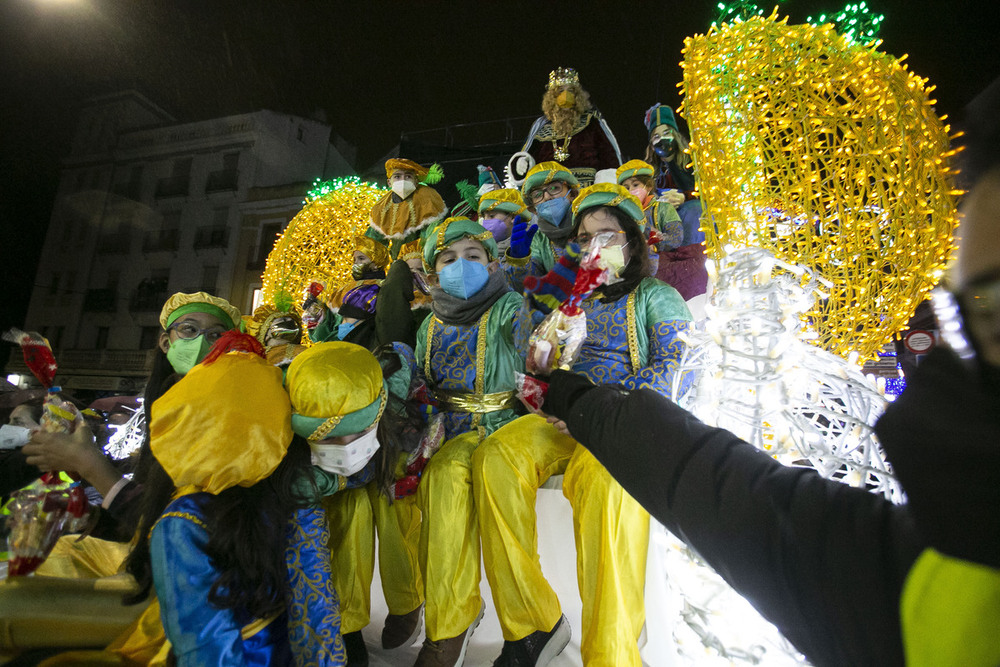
823	561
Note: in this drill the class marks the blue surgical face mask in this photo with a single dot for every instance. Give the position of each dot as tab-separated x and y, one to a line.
553	210
345	328
463	279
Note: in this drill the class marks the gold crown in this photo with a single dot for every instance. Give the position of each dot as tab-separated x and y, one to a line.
564	76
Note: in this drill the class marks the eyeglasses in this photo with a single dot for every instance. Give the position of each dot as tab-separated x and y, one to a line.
189	330
553	189
609	237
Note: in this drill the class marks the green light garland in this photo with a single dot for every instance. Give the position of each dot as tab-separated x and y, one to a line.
855	21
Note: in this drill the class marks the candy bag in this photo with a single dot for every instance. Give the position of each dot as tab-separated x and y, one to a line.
431	441
45	510
556	341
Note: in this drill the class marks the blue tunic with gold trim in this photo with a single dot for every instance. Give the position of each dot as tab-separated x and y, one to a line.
307	633
642	353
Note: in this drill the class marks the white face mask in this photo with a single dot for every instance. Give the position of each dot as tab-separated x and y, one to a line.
345	459
12	436
403	188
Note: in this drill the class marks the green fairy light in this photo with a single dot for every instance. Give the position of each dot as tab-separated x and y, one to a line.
320	188
854	21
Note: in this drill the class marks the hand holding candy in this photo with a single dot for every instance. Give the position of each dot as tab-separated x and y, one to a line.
431	441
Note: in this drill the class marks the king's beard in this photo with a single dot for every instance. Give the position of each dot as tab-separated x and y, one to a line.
563	121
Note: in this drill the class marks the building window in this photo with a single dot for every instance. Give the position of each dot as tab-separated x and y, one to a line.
132	187
55	337
265	243
168	236
149	338
151	293
211	237
179	182
54	284
226	178
209	279
101	341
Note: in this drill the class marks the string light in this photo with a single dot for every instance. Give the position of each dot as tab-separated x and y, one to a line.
756	375
855	21
126	439
829	154
318	244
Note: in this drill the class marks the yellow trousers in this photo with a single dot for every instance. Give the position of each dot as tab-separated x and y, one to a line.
354	515
610	527
449	539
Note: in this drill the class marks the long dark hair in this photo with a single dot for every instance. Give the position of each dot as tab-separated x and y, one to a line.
246	534
638	266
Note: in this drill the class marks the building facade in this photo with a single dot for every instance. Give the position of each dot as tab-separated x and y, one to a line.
146	207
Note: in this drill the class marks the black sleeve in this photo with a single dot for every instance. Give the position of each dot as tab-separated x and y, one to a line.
118	522
823	561
393	320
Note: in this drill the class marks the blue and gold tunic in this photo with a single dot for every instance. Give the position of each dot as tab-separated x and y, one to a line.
632	341
307	633
474	364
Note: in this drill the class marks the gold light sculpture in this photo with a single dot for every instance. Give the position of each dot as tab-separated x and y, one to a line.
830	155
318	243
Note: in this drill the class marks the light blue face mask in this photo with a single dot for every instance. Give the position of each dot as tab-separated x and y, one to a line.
345	328
553	210
463	279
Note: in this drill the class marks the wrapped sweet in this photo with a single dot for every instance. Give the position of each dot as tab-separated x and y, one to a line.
556	342
52	506
431	441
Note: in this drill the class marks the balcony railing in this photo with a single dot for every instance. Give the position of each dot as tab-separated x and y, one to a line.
71	362
211	237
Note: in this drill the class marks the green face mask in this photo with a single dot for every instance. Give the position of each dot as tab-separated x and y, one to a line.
184	353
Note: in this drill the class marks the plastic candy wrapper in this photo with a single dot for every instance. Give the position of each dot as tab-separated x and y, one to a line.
313	309
531	390
39	515
556	341
42	512
431	441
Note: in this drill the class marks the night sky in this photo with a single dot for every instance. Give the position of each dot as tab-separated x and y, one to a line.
375	69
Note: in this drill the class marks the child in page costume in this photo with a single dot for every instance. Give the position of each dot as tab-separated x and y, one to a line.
261	593
548	190
338	391
497	210
632	340
191	324
680	257
466	351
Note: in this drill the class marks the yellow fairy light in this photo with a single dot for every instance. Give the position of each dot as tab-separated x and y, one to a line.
318	244
829	154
